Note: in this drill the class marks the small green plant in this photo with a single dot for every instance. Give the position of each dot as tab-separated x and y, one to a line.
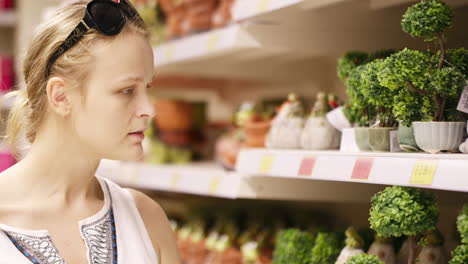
462	224
460	255
403	211
327	248
293	246
361	106
364	259
349	62
379	96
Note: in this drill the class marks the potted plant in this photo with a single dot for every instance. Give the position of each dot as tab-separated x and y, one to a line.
382	99
364	259
318	133
460	254
287	125
354	246
293	246
327	248
399	211
364	112
430	76
383	249
433	251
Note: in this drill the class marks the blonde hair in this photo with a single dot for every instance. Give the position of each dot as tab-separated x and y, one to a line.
30	104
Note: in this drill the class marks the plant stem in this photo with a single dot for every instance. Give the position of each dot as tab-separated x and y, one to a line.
442	108
412	250
442	50
416	90
436	115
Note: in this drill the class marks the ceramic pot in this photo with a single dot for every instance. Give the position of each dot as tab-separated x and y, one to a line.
379	138
318	134
256	132
434	137
406	138
362	138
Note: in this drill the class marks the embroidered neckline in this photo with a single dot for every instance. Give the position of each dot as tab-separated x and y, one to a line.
98	232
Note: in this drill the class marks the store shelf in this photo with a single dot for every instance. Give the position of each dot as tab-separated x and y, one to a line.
303	37
7	18
200	179
441	171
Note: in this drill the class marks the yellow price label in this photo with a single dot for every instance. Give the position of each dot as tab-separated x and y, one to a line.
266	163
423	172
212	41
169	53
175	179
214	185
263	5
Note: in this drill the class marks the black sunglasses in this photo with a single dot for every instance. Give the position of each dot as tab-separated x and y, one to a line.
106	16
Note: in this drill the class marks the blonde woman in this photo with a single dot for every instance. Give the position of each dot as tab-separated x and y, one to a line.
87	72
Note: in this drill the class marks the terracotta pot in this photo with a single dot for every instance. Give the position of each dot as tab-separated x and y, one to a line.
173	115
256	132
223	15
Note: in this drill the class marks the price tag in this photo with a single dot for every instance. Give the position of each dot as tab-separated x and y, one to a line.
463	103
175	179
307	166
362	168
169	53
423	172
212	41
214	185
262	5
266	163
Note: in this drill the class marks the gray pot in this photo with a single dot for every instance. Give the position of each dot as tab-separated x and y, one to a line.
434	137
362	138
406	138
379	138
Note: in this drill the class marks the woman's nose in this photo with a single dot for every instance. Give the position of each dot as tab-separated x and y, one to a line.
145	107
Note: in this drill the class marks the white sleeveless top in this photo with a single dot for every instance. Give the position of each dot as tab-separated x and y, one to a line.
132	240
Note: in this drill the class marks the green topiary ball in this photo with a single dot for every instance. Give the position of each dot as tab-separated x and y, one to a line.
427	18
364	259
398	211
350	61
462	224
460	255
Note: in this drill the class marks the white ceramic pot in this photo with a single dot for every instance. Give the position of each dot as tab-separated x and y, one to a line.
337	119
318	134
434	137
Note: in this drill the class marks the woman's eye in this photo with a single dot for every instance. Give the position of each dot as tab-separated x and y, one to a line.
127	91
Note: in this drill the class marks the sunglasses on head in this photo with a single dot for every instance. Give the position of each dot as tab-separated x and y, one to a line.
106	16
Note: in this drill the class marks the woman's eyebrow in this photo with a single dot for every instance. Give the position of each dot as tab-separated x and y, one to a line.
131	78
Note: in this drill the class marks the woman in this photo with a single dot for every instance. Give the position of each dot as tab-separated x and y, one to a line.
87	74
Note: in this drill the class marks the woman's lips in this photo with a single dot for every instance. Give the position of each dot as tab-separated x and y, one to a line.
138	135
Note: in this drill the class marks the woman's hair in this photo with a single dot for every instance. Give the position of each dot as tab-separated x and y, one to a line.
31	103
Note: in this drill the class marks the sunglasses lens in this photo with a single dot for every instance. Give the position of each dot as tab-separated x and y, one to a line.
108	17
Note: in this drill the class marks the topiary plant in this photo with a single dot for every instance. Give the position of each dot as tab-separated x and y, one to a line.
399	211
360	104
460	255
462	224
364	259
428	19
327	248
349	62
293	246
379	96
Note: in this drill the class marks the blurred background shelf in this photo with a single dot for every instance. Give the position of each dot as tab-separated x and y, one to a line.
8	18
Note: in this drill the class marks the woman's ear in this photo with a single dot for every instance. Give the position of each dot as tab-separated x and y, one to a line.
57	96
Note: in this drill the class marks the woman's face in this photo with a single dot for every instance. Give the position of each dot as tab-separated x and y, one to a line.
110	121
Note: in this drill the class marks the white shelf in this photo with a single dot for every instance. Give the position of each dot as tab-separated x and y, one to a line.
7	18
303	37
200	179
441	171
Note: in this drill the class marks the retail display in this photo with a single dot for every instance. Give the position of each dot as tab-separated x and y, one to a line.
7	75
